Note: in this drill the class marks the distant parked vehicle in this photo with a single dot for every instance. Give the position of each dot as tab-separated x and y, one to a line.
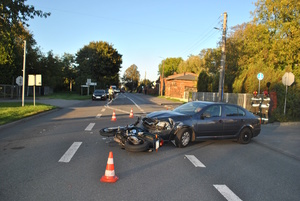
99	94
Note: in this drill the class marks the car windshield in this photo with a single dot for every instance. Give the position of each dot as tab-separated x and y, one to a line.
99	92
190	108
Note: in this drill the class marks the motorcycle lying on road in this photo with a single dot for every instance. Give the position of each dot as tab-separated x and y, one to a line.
133	138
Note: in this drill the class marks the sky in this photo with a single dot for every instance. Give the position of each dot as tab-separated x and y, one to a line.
144	32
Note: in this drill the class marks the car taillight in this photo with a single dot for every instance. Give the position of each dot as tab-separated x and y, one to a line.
161	143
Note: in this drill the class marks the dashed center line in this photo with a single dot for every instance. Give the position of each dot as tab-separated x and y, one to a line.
70	152
227	193
195	161
89	127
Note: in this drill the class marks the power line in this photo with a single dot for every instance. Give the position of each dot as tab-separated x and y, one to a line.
210	32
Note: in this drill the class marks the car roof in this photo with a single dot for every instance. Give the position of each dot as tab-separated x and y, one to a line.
209	102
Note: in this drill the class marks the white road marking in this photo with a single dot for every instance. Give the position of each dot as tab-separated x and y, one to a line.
70	152
89	127
227	193
98	115
103	109
195	161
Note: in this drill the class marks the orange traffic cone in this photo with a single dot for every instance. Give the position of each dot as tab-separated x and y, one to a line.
131	114
114	118
110	170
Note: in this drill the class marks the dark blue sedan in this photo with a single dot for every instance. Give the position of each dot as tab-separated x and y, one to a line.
99	94
199	120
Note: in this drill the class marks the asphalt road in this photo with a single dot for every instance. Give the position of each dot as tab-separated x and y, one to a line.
35	165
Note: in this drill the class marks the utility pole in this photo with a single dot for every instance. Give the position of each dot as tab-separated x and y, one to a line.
24	62
162	77
223	58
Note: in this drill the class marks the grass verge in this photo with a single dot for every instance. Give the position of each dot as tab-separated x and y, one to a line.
67	96
13	111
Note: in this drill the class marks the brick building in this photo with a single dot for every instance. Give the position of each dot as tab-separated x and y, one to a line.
179	85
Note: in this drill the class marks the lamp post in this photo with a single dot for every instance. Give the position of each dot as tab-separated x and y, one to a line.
24	64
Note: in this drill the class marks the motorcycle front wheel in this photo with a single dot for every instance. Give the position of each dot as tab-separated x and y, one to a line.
143	146
110	131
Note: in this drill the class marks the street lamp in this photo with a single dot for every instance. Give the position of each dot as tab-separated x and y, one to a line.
24	64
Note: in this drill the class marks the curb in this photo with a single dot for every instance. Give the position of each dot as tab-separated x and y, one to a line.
283	123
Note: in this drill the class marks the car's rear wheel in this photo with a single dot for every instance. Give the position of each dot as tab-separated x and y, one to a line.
245	136
183	138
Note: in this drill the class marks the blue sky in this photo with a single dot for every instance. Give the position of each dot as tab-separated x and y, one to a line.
144	32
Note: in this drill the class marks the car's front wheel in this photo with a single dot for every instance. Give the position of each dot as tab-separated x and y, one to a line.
245	136
183	138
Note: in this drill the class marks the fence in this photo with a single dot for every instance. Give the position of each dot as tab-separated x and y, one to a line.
243	100
15	91
10	91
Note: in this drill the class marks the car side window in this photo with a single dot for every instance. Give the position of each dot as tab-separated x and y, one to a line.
241	112
214	111
233	111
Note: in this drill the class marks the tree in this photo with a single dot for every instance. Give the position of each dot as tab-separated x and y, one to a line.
11	59
100	62
281	18
68	70
169	66
13	17
203	82
131	77
51	70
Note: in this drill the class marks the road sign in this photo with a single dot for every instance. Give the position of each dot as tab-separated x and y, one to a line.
35	80
19	80
288	79
260	76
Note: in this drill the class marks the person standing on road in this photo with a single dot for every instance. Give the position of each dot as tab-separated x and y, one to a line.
110	93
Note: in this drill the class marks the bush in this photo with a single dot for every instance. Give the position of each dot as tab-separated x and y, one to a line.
292	103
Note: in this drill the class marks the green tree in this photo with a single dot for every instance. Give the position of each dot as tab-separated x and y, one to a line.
13	18
51	70
193	64
12	64
100	62
203	82
169	66
68	70
131	77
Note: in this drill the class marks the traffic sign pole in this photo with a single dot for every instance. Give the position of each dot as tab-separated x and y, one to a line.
260	76
287	79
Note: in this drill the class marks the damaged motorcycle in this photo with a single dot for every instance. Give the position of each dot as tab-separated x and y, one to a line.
133	138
